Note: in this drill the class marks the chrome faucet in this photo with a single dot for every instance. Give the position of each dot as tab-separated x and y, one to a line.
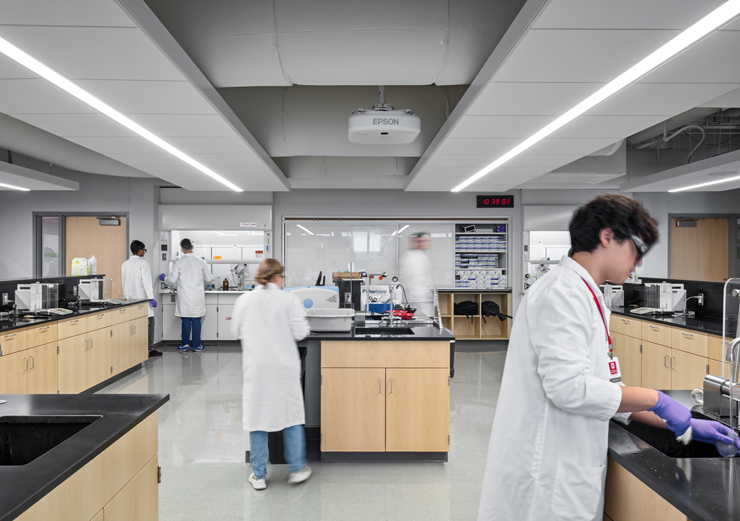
733	355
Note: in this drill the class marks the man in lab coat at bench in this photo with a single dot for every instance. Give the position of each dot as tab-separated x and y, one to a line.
136	279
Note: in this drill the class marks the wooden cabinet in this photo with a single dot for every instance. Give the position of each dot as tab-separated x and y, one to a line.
13	373
626	326
73	364
98	517
656	369
657	333
99	320
687	370
627	350
476	327
139	499
352	410
414	398
140	310
140	340
12	342
120	347
690	342
41	376
37	336
120	316
99	356
71	327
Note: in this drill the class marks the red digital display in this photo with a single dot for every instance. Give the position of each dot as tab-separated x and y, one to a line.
495	201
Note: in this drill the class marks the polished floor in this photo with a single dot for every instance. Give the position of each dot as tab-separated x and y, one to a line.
202	455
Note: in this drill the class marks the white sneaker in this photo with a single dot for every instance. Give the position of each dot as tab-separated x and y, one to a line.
258	484
300	476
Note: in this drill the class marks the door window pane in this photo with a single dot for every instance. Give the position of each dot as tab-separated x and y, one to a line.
50	262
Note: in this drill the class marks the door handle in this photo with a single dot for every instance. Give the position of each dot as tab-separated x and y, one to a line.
10	336
26	359
101	315
44	328
625	321
665	360
655	328
33	360
688	335
74	321
672	362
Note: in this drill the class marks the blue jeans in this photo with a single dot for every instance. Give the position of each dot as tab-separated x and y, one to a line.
294	439
189	323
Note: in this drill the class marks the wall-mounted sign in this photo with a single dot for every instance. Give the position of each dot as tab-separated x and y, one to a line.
495	201
248	225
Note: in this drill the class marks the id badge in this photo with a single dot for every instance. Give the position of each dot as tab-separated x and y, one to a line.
615	374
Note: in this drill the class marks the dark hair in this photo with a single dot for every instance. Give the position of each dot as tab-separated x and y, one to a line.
137	246
185	244
420	235
623	215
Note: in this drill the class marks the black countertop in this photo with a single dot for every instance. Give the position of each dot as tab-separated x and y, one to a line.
712	326
10	324
24	485
421	332
705	489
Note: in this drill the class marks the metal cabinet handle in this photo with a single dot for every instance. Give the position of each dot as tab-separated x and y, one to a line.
74	321
26	359
391	385
656	328
689	335
101	315
134	329
34	362
121	311
625	321
44	328
380	389
10	336
665	360
672	362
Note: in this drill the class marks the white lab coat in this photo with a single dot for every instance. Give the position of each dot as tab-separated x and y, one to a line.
417	277
268	322
547	456
136	279
189	274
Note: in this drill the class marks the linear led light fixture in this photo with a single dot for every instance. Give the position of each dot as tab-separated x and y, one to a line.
398	232
702	185
13	187
700	29
305	229
31	63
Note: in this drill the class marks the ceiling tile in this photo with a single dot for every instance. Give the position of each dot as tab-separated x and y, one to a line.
177	125
146	160
499	126
117	145
77	13
149	97
219	160
615	127
38	96
204	145
76	125
530	99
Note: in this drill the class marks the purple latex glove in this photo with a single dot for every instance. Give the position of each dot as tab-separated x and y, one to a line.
676	416
153	303
710	431
161	276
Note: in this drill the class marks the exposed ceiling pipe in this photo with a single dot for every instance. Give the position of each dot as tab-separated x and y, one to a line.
666	138
18	136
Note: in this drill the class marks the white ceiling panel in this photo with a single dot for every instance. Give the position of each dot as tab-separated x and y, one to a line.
145	160
117	145
471	162
615	127
94	52
624	14
574	146
578	56
499	126
156	97
499	146
38	96
75	125
205	145
9	69
465	45
77	13
726	101
179	125
229	172
219	160
530	99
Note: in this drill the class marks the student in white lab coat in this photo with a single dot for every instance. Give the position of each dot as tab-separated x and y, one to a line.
417	274
268	322
136	279
189	274
548	450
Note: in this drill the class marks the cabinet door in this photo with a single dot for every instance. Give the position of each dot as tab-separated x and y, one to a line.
121	347
352	410
13	370
656	371
627	350
140	341
72	364
417	410
688	371
41	377
98	517
139	499
99	356
209	324
224	322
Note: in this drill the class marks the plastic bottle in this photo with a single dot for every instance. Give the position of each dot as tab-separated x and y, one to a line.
728	450
92	263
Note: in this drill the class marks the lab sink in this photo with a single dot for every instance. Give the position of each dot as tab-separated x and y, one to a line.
665	441
377	330
25	438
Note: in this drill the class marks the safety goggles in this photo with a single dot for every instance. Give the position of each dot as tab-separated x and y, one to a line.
640	247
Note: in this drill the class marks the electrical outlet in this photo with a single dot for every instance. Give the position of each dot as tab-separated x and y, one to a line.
700	299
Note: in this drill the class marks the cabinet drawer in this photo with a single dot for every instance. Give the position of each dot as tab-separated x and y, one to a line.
99	320
385	354
72	327
36	336
690	341
12	342
656	333
715	349
139	310
626	326
119	316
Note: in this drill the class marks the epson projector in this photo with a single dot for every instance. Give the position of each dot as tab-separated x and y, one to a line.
383	126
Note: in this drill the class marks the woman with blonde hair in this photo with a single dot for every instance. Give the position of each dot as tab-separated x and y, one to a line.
268	322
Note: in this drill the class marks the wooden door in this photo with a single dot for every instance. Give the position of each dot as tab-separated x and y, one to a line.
700	253
627	350
140	341
98	517
688	371
41	377
352	410
656	369
84	237
99	356
121	347
13	373
72	364
139	499
417	410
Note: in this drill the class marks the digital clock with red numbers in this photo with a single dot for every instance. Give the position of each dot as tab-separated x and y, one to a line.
495	201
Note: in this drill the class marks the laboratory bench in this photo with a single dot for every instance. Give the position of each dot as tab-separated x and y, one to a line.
72	353
83	457
644	483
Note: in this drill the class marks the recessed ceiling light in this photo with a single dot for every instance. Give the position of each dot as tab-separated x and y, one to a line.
13	187
699	30
702	185
31	63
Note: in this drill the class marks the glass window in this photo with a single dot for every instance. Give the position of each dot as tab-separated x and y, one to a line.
50	261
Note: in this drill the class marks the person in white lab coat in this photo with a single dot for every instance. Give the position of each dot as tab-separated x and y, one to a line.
189	274
268	322
417	274
136	279
548	449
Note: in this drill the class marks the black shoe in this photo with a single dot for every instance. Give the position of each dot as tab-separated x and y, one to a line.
154	352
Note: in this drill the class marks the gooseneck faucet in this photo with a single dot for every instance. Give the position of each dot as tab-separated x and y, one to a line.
733	355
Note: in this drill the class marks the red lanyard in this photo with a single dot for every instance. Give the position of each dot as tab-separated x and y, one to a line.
603	318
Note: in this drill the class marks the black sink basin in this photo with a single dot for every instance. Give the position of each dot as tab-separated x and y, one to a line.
665	441
25	438
376	330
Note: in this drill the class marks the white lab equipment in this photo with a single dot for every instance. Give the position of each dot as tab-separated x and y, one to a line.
92	263
323	297
613	295
94	290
